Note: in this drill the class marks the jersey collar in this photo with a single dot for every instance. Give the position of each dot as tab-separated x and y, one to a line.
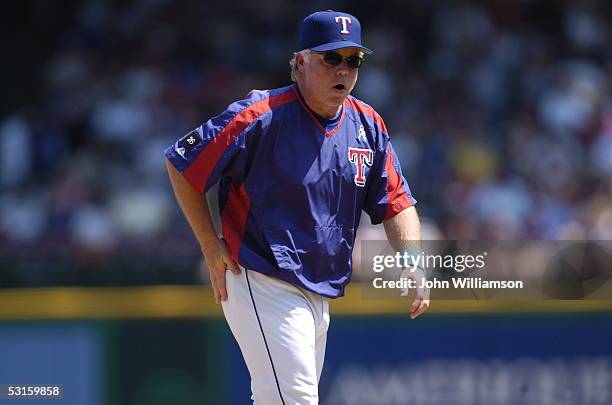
327	132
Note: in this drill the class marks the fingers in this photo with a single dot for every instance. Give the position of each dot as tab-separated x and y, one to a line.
216	292
217	279
227	260
420	303
218	261
419	306
220	283
415	305
231	266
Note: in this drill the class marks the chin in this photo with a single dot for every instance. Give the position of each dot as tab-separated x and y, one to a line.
335	103
337	99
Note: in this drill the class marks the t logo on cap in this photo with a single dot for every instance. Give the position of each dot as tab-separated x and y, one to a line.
345	21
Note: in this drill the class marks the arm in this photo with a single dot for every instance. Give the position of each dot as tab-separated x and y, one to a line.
404	234
195	208
404	230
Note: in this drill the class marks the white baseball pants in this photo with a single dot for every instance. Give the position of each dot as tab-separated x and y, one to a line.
281	330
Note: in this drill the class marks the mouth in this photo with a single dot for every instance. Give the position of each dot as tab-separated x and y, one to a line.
340	87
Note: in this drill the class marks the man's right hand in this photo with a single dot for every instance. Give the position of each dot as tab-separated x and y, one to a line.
218	261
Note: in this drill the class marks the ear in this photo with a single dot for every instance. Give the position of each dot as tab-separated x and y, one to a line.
299	62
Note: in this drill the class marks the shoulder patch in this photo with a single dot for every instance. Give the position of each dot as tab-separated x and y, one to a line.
191	140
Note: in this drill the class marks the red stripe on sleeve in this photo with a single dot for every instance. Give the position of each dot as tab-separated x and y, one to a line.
200	169
234	217
397	197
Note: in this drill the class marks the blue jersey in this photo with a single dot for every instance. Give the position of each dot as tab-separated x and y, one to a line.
293	186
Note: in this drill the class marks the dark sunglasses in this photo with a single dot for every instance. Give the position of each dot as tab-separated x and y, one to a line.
334	59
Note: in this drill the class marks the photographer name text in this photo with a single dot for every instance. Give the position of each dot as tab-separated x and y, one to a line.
474	283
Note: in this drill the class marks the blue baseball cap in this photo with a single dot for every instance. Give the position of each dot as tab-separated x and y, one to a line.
327	30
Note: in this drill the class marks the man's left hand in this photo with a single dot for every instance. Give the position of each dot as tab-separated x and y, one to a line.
421	299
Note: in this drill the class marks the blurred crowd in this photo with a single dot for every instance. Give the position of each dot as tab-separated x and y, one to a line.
501	113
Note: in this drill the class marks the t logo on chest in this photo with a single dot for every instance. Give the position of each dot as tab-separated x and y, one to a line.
360	158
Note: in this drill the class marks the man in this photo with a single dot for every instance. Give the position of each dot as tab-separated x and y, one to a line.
297	165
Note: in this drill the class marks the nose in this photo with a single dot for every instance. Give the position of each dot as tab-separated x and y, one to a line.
343	69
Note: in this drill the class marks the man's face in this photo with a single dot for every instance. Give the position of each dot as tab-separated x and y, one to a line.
326	85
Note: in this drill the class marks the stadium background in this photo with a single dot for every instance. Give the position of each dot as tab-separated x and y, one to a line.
501	113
